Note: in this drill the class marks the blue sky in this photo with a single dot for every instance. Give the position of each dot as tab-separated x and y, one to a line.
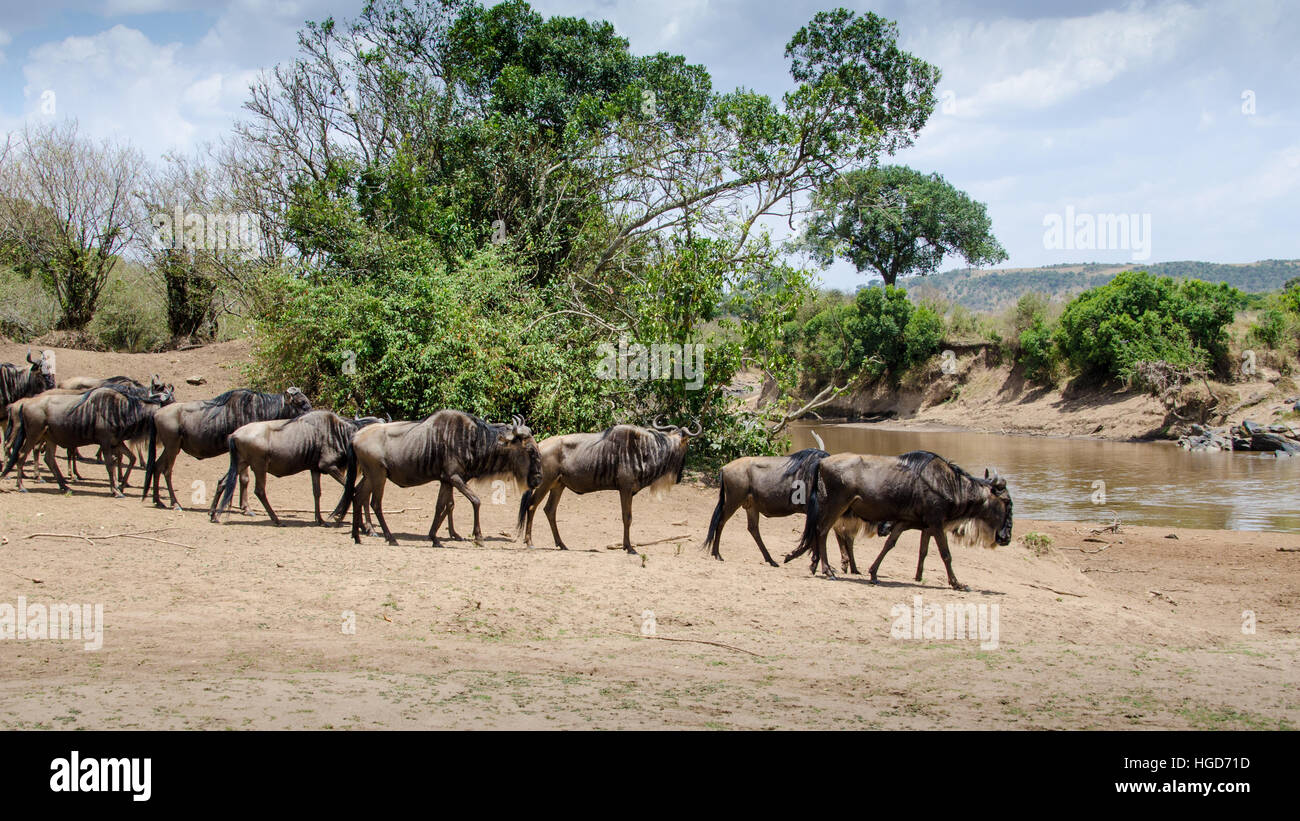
1075	108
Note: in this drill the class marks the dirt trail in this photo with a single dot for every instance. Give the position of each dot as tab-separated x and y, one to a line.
242	624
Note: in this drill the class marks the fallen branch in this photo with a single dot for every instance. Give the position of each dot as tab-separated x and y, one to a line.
1087	552
1288	550
135	534
695	641
618	545
1053	590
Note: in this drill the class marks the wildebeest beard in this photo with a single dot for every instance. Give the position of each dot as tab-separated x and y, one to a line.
967	495
224	414
651	454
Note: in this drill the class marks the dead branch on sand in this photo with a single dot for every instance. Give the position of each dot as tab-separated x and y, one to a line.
695	641
135	534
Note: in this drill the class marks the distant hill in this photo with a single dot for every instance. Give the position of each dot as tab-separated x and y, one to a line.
993	290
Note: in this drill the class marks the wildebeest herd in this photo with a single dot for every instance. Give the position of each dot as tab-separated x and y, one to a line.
281	434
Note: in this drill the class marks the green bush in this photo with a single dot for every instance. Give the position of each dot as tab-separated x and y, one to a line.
130	317
27	310
881	331
1137	317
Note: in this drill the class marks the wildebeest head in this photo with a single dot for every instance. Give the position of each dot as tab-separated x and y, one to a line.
517	437
997	507
296	402
42	369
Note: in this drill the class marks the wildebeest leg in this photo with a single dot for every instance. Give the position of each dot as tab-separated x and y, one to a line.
259	490
752	513
847	562
377	502
459	483
315	491
625	498
540	494
925	548
110	465
442	509
341	479
942	539
552	505
729	508
451	510
243	489
166	462
53	465
360	503
889	545
72	455
125	451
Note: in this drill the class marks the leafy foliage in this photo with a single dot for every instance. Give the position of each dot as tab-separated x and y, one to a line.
895	222
1138	318
881	331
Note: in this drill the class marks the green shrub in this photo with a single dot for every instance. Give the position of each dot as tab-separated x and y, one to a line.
1138	318
129	317
881	331
27	310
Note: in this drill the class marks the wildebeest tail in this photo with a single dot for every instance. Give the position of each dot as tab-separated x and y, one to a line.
808	541
150	465
16	447
227	486
715	524
349	482
524	504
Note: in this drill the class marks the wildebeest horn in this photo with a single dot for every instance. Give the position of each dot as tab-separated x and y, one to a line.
659	424
388	417
699	428
30	361
517	420
820	444
292	390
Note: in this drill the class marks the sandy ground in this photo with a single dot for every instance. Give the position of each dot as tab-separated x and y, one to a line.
242	625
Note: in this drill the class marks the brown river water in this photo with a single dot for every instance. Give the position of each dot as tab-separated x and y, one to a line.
1088	480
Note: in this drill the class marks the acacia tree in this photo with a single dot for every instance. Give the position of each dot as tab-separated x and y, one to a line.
68	210
896	221
617	183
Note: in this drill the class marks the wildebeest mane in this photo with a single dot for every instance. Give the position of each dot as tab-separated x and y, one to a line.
800	464
120	408
649	453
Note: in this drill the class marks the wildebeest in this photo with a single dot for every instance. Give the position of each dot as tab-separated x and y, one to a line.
773	486
448	446
625	458
17	382
916	491
108	417
85	383
81	384
200	429
319	441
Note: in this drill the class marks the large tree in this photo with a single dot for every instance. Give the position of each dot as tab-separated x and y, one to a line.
68	209
896	222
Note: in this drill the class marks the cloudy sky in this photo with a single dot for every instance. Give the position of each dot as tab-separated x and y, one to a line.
1184	115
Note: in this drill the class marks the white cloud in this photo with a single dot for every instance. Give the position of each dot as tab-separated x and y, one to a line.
120	83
